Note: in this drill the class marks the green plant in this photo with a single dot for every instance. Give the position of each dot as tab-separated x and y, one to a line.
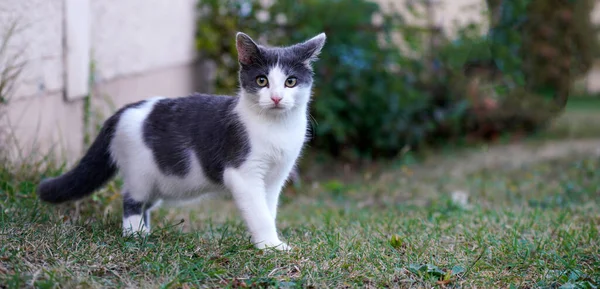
371	99
11	66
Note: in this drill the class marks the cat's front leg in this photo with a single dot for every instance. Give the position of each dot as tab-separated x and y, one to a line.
273	191
249	192
275	182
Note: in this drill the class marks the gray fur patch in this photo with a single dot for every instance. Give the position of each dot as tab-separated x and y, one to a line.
205	125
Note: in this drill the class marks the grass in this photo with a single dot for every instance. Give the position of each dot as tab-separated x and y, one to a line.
578	120
531	226
584	103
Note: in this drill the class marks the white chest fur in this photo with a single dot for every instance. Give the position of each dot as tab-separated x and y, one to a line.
274	141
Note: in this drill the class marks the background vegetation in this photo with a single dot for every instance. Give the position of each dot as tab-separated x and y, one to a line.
384	84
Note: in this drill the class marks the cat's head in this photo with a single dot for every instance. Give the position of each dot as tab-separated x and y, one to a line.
277	79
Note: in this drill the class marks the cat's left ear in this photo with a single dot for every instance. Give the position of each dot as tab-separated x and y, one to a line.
248	51
309	50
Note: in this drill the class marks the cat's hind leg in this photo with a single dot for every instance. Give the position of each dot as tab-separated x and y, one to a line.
136	215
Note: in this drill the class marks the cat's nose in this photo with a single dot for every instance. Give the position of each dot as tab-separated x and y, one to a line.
276	99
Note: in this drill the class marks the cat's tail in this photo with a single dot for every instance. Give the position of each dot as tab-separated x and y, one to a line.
92	172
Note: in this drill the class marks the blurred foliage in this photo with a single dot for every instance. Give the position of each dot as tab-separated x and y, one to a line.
561	46
369	99
381	86
540	48
548	41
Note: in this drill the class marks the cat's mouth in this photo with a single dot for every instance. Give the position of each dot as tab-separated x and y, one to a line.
277	108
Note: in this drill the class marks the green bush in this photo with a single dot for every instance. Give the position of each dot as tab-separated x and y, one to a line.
373	98
539	48
370	99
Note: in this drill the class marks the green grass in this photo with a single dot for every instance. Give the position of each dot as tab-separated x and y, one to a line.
535	226
584	103
399	225
578	121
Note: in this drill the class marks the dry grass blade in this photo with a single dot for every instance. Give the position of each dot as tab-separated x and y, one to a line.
11	63
11	67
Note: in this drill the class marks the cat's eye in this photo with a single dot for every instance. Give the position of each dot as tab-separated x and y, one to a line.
291	82
262	81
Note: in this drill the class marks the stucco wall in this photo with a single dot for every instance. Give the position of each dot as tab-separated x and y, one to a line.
39	37
135	36
140	48
127	37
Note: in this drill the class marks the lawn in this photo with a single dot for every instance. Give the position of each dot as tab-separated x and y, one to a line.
439	223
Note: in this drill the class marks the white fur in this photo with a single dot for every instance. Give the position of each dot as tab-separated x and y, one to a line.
134	223
139	169
277	88
276	138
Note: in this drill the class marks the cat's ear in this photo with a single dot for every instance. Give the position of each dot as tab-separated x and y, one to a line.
309	50
248	51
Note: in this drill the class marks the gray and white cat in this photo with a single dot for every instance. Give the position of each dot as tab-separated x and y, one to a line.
174	150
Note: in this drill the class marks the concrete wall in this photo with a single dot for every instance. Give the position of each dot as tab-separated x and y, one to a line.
137	36
39	36
140	48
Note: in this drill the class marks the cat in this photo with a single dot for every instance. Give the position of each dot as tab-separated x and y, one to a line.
175	150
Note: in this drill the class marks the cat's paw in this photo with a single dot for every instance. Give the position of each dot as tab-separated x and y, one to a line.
134	226
142	232
279	246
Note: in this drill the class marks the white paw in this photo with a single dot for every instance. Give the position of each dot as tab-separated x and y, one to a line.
134	225
131	231
277	245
